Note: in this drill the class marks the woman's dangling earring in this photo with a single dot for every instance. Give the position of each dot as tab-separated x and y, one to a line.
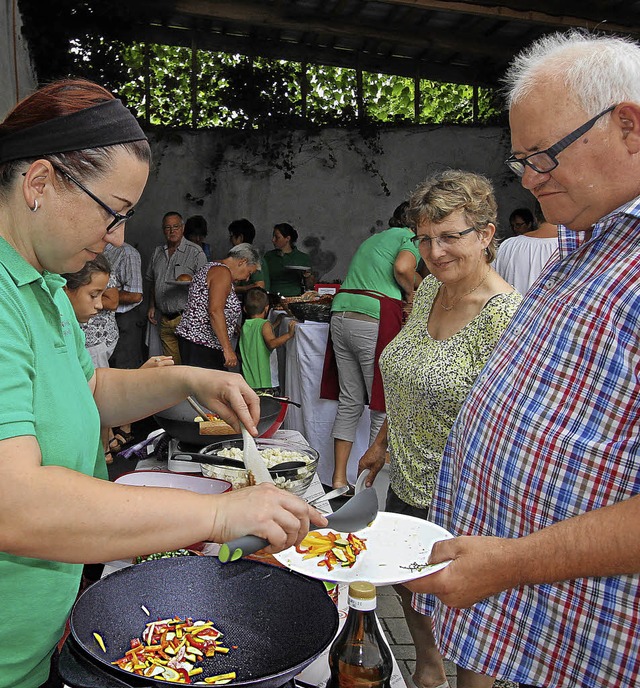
35	206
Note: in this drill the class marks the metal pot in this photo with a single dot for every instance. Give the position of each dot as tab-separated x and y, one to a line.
178	422
279	621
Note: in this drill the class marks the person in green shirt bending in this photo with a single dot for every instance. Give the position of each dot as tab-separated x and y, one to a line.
258	342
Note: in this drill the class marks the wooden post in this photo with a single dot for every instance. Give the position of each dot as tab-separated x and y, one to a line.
304	90
360	113
194	82
416	97
476	107
147	85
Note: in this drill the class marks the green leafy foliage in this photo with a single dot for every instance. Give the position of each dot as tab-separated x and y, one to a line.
267	94
388	98
332	95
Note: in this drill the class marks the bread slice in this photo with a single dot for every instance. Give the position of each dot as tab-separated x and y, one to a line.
217	426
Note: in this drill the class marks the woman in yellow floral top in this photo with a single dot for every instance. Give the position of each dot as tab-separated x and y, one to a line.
459	312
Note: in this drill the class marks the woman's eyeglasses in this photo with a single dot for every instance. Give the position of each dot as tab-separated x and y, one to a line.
118	218
443	240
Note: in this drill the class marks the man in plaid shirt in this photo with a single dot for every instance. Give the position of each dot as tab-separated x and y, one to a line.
541	474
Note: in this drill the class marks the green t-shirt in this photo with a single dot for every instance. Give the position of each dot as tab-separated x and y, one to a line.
285	281
255	354
44	370
372	268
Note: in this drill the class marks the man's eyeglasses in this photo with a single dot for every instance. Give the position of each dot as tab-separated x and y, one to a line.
443	240
118	219
170	228
545	161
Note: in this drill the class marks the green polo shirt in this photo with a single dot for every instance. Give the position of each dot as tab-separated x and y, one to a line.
371	268
284	281
44	370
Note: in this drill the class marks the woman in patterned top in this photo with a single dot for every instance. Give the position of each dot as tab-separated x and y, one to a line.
213	312
459	312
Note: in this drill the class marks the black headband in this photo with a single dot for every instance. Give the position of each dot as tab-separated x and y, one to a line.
105	124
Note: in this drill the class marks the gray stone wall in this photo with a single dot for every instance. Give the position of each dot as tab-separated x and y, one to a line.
335	197
17	78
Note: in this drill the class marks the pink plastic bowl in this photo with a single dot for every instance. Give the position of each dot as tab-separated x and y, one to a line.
194	483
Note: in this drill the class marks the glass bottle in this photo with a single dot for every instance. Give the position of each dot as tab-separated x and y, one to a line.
360	656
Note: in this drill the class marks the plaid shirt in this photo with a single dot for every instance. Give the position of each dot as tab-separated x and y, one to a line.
125	267
549	431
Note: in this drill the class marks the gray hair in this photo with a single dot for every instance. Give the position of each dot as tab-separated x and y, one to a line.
245	252
598	71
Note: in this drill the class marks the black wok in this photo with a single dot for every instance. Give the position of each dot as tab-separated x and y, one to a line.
178	422
280	621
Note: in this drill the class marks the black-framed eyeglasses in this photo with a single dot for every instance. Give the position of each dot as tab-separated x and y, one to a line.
449	239
545	161
118	218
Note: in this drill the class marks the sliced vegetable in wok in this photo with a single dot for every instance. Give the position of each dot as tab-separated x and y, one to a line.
171	648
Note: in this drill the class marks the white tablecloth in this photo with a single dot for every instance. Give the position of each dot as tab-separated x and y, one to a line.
304	359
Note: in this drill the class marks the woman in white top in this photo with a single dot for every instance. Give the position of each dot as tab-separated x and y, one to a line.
521	258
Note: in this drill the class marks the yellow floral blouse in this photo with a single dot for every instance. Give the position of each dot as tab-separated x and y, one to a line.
425	382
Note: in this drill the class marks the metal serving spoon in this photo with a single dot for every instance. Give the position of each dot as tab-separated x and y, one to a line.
356	514
338	492
198	408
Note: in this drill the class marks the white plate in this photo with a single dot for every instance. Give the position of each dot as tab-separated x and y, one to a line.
302	268
360	481
398	548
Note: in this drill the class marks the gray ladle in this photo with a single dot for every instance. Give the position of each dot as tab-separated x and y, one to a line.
355	515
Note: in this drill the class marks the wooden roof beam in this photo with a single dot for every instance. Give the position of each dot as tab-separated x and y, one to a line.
480	74
499	11
257	14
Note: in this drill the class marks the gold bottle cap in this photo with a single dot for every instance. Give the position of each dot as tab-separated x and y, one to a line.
362	590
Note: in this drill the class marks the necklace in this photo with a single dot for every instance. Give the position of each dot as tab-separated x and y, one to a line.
455	301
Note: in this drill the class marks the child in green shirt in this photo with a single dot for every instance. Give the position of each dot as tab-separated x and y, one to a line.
258	342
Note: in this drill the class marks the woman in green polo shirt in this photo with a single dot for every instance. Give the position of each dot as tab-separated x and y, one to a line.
73	164
286	264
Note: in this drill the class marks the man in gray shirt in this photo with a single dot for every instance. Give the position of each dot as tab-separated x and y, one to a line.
168	296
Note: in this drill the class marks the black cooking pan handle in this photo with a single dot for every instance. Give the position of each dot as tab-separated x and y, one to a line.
241	547
78	670
283	400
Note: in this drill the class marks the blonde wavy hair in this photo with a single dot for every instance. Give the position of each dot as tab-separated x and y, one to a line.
444	193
